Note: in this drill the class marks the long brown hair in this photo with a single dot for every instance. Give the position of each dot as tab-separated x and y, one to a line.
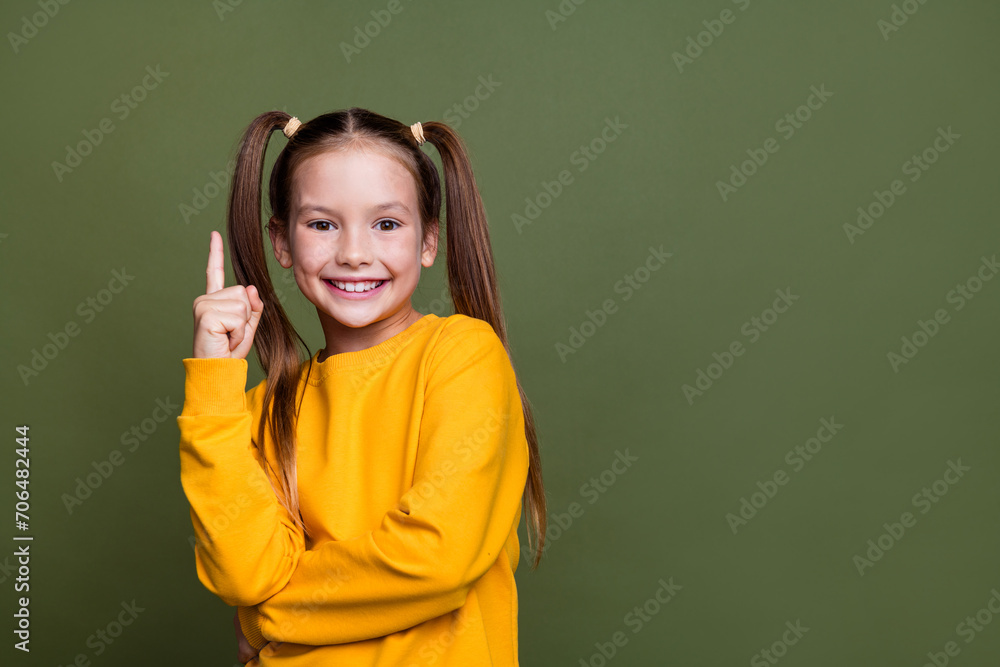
471	276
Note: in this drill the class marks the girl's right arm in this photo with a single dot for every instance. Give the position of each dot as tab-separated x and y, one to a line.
244	536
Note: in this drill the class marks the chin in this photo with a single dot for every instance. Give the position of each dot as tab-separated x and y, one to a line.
356	322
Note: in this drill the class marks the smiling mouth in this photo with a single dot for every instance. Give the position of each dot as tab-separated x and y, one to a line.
366	286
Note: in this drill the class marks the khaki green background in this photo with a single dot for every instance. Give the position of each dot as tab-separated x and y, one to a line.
553	86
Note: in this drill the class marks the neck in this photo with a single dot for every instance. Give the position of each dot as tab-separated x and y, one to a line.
341	338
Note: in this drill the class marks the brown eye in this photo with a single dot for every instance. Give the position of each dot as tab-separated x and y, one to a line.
382	222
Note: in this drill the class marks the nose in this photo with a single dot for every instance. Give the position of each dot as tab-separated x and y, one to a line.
354	248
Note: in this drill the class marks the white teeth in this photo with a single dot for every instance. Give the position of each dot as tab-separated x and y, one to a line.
357	287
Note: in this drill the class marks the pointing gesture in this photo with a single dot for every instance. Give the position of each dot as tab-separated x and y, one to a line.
216	273
225	318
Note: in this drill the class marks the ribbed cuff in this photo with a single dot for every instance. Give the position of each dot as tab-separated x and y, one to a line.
214	386
250	624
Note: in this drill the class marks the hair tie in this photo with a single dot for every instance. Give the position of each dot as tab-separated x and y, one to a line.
292	126
418	133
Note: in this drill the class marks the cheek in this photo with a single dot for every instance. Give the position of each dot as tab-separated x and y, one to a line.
309	259
306	268
399	255
299	279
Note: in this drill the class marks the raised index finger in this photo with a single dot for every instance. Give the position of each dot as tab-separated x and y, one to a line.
216	272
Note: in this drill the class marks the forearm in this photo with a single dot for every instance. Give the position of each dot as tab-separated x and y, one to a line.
358	589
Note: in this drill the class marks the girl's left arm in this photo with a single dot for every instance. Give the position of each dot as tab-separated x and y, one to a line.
445	532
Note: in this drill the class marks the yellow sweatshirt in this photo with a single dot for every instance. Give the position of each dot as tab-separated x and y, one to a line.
412	460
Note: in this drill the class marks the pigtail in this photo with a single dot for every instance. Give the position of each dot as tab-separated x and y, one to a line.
474	292
275	338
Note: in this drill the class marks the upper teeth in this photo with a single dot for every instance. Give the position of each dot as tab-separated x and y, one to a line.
357	287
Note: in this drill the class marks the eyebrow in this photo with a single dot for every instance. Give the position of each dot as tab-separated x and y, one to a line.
385	206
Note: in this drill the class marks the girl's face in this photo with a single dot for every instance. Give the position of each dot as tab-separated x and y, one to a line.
355	245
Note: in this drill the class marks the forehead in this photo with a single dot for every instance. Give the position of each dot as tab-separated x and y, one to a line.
352	179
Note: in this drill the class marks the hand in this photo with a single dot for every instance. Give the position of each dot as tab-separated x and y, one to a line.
244	652
225	319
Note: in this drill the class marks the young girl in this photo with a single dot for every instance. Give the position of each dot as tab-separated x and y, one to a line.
360	506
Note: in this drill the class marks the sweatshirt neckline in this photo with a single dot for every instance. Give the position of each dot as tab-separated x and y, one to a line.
369	355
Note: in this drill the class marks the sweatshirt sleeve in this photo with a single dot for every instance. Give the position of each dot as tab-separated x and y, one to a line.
245	539
446	531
